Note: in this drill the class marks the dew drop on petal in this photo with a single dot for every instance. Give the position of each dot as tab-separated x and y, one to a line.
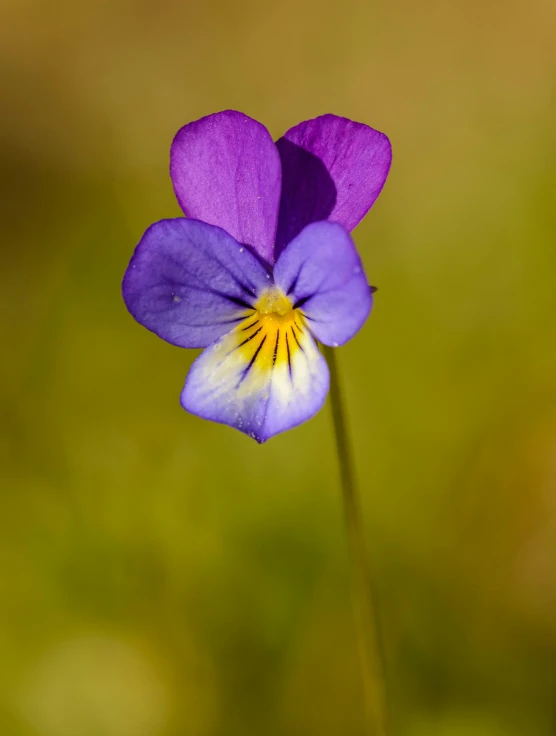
335	344
176	298
268	275
241	250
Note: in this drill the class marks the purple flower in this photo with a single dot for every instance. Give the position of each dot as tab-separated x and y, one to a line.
262	266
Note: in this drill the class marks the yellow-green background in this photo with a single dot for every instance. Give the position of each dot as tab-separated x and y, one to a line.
163	576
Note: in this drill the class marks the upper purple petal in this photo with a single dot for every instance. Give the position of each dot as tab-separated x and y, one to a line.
332	169
190	282
226	171
321	272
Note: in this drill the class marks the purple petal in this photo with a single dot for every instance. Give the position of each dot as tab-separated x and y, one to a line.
190	282
332	169
321	272
226	171
262	378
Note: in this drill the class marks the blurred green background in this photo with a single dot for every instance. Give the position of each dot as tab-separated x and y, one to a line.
163	576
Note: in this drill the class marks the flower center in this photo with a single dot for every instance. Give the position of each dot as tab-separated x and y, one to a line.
271	337
275	304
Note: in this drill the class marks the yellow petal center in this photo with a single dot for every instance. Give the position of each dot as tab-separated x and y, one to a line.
272	336
274	302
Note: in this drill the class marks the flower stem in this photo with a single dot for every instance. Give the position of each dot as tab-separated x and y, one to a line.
368	634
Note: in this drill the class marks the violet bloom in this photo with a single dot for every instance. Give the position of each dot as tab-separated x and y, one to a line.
262	266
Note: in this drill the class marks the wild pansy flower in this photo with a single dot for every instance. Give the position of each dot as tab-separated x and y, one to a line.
262	267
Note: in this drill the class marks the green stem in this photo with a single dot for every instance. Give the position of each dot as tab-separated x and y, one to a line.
368	637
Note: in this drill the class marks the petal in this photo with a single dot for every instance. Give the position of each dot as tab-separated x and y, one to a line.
332	169
226	171
322	274
260	379
190	282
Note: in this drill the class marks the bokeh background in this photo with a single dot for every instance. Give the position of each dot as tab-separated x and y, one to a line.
162	576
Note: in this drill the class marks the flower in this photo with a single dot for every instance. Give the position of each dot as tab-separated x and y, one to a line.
262	266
